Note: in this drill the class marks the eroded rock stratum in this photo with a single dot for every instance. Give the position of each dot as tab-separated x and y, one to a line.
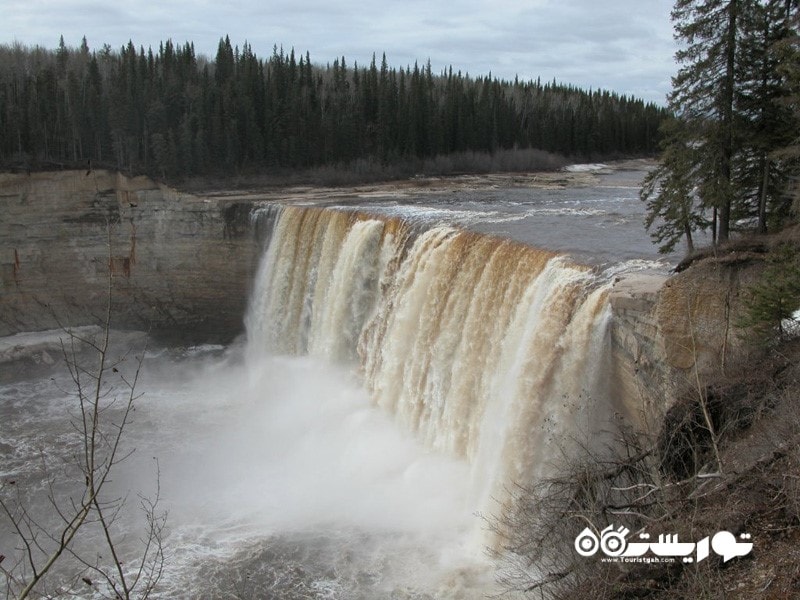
180	262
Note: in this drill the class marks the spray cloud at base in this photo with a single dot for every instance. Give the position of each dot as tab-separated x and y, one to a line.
485	350
394	382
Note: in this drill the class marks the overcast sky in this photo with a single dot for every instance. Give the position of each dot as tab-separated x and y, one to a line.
622	45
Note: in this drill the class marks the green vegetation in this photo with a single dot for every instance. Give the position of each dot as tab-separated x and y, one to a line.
731	152
173	113
773	301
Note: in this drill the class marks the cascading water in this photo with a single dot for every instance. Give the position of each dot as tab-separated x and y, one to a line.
396	378
486	349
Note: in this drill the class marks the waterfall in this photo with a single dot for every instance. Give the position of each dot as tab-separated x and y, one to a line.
484	348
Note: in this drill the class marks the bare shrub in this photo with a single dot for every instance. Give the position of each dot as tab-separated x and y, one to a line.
78	497
670	483
620	486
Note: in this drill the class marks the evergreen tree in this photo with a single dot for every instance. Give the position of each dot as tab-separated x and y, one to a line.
766	121
171	113
670	191
730	98
787	53
773	302
703	95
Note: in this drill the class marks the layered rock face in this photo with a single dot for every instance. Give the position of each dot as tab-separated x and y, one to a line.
670	335
180	264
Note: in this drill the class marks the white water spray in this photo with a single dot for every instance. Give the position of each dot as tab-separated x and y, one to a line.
484	349
395	381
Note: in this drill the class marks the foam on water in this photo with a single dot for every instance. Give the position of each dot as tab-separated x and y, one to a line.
279	476
291	451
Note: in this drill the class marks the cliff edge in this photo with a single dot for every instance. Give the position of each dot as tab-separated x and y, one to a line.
181	263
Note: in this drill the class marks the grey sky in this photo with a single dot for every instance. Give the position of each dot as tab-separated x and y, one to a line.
622	45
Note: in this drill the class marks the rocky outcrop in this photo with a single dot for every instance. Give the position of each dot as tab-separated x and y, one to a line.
639	374
181	264
671	334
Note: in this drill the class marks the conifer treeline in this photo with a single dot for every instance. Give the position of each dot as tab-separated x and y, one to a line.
176	113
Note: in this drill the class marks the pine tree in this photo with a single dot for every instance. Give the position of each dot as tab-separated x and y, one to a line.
730	97
772	303
171	113
766	121
787	53
670	192
703	94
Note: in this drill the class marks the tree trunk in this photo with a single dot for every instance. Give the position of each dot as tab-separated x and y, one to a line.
762	199
689	242
727	122
714	226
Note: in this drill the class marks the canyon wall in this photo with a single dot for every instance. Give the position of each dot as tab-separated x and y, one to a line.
673	335
181	264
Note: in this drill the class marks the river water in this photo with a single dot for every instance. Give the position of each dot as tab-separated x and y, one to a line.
293	464
592	212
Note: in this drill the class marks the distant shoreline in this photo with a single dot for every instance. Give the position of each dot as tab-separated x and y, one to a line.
556	179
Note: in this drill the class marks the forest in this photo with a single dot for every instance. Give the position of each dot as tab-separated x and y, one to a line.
730	159
174	113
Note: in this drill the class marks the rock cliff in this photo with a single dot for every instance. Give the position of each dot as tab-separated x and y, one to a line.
181	263
673	334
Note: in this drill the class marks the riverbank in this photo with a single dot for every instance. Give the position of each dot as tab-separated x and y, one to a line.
566	177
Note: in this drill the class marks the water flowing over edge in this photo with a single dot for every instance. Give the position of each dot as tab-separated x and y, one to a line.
484	348
481	358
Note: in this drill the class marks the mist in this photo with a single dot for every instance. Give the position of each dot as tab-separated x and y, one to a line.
254	452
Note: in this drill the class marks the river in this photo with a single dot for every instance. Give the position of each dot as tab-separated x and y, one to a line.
399	371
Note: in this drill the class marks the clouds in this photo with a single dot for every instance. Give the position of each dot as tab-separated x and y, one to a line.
625	45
